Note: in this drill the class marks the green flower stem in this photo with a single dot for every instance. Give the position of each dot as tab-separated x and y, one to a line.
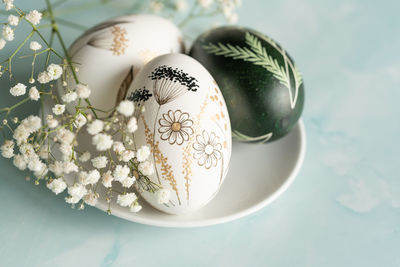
81	7
68	58
9	109
17	50
189	16
71	24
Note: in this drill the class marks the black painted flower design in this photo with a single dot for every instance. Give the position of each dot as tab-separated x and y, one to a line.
140	95
170	83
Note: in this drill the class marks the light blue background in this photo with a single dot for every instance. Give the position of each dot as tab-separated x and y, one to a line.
342	210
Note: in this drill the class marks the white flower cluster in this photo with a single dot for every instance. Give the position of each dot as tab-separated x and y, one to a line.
9	4
117	160
228	7
51	149
33	17
52	73
28	156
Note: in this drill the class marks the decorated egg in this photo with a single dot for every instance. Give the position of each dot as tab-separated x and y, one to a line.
110	54
262	86
186	124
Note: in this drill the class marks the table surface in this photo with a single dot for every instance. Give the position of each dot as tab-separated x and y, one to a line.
342	210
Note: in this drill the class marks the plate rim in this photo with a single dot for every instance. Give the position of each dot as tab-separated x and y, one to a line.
235	216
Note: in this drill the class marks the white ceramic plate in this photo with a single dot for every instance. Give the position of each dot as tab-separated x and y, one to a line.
258	175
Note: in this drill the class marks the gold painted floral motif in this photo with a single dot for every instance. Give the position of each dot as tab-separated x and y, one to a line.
187	151
176	127
119	41
208	149
116	42
159	158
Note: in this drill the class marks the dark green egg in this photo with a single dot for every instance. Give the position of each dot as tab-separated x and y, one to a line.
262	86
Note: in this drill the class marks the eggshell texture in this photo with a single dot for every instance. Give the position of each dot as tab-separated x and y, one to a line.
186	124
261	84
111	53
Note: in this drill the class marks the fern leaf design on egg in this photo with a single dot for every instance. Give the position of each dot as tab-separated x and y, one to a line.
258	55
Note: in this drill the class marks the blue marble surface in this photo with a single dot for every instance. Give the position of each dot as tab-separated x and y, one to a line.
342	210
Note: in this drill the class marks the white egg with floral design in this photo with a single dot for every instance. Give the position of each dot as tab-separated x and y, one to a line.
108	55
186	124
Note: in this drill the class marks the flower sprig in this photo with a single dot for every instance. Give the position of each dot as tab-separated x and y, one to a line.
50	145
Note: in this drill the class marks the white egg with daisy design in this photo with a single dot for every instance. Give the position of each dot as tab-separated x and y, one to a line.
185	122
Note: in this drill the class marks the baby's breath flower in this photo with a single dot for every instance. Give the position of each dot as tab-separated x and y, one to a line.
9	4
143	153
35	164
91	198
127	155
95	127
156	6
57	168
58	109
128	182
21	134
80	120
180	5
90	177
19	162
34	17
51	122
100	162
8	33
163	196
118	147
65	136
69	166
43	153
120	173
205	3
13	20
135	207
107	179
83	91
85	156
18	90
76	193
126	199
132	125
41	173
233	18
44	77
102	141
35	46
146	167
32	123
2	43
126	108
66	150
7	149
55	71
27	151
31	80
34	94
57	185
